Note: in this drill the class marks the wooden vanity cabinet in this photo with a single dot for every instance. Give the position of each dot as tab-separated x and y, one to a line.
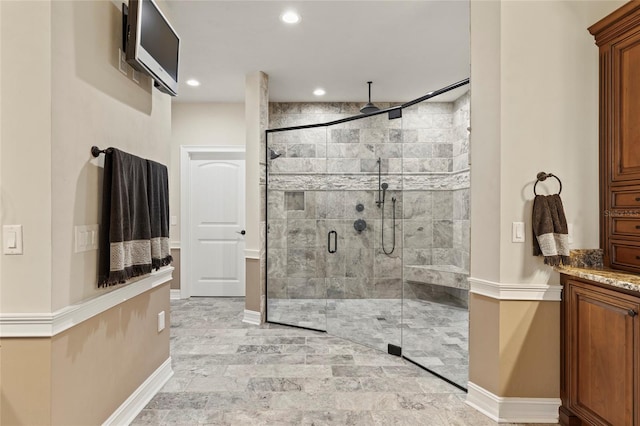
600	355
618	38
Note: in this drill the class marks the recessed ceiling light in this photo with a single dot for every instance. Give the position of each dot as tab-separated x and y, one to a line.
290	17
193	82
319	92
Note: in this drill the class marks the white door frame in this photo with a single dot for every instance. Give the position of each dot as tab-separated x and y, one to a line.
186	153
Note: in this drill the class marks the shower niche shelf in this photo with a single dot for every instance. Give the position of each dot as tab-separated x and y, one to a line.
442	275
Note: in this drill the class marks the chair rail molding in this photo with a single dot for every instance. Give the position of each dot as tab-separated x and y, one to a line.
515	291
50	324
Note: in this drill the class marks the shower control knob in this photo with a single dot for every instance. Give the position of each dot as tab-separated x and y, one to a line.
359	207
360	225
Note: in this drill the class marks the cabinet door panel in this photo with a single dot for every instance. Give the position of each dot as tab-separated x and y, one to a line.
626	109
604	357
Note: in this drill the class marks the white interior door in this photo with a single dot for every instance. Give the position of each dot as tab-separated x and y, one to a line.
217	216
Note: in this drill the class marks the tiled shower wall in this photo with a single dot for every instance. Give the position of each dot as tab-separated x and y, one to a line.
323	173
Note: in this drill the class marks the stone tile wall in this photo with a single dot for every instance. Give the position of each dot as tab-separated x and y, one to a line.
323	173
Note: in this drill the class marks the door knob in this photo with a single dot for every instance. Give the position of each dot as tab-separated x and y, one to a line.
632	313
241	232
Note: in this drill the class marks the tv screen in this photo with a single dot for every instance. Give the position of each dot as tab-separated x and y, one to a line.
153	47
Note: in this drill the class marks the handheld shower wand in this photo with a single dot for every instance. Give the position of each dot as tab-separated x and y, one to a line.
384	187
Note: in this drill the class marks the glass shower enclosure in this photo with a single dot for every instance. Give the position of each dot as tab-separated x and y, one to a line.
365	226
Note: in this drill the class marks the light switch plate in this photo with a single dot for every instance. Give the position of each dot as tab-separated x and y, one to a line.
12	239
86	238
570	232
517	232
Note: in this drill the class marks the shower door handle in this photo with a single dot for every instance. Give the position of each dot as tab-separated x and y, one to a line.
335	241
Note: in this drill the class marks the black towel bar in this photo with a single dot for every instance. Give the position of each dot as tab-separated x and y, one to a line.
95	151
543	176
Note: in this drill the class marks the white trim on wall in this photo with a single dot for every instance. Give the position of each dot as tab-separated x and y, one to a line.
523	291
175	294
50	324
252	254
513	410
252	317
136	402
186	152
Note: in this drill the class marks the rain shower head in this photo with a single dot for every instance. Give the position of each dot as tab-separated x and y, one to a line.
273	154
369	107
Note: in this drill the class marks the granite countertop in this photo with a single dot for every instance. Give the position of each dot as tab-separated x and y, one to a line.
605	276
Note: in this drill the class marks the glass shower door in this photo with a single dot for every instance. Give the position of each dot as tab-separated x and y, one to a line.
436	237
296	235
364	289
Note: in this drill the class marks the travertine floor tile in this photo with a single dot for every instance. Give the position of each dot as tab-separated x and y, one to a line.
230	373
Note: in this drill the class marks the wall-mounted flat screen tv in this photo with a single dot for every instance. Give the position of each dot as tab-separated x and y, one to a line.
152	46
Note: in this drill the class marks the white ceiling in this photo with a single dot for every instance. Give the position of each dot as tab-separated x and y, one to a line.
407	48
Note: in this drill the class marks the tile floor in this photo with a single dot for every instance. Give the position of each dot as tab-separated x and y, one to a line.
435	335
231	373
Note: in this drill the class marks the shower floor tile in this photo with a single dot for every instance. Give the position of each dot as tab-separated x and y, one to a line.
435	335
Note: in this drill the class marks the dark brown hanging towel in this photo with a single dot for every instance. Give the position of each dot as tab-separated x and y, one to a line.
550	230
158	196
125	237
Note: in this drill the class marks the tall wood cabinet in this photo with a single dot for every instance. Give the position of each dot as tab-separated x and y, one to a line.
618	37
600	355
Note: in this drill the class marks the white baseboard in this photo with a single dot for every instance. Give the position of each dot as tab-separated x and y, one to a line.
252	317
175	294
513	410
129	409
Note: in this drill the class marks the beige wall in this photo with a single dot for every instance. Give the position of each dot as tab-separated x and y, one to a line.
529	349
484	342
257	121
82	375
75	98
252	274
25	381
98	364
25	196
62	92
484	139
93	104
256	107
534	107
175	282
549	116
514	347
207	124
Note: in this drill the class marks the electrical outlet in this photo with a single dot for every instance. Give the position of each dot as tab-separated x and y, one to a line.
123	66
161	323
